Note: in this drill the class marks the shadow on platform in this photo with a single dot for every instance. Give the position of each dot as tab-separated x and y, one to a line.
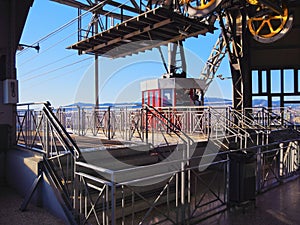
279	206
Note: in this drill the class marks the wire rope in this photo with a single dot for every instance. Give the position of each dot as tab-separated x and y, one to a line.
62	27
49	64
47	49
58	42
56	69
71	22
60	75
70	35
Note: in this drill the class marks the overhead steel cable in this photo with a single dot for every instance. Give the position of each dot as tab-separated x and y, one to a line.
60	29
57	31
54	70
52	46
60	75
49	64
65	25
70	23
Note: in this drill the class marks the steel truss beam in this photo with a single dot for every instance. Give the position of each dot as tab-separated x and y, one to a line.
213	62
233	25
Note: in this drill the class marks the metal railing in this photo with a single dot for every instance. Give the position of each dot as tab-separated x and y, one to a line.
224	127
277	162
169	193
122	123
219	123
161	127
163	192
242	120
39	130
188	184
269	118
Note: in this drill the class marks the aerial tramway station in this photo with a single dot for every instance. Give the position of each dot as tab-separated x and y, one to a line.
175	159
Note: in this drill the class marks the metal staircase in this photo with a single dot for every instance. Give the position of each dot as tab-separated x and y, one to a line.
43	133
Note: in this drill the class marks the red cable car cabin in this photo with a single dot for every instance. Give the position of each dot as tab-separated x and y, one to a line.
172	92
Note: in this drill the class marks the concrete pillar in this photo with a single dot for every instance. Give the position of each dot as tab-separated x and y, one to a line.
8	46
12	19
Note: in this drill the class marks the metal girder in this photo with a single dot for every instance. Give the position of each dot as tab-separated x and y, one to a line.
95	8
73	3
229	42
213	62
177	61
128	36
88	5
234	48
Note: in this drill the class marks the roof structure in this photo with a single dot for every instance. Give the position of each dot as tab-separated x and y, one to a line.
148	30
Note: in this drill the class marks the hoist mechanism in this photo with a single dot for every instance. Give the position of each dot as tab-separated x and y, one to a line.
200	8
268	24
267	20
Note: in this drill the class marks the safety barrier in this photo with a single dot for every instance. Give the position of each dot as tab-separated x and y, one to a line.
275	118
39	130
128	124
165	192
188	184
277	162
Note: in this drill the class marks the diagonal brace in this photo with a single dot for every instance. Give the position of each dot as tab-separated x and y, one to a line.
32	189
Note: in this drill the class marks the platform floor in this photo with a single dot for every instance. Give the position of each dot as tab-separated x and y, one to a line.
279	206
10	214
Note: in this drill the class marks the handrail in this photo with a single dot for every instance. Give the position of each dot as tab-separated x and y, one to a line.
62	196
43	127
229	121
284	120
61	132
167	124
266	111
247	120
244	133
59	128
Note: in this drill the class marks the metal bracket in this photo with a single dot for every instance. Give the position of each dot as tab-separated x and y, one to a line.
32	189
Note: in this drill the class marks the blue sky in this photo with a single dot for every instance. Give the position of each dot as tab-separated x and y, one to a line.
63	77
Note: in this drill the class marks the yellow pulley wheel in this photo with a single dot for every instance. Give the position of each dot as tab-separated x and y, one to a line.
268	25
202	4
200	7
252	2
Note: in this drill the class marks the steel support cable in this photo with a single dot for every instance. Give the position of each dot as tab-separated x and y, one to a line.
73	21
59	29
60	75
52	46
54	70
60	41
48	64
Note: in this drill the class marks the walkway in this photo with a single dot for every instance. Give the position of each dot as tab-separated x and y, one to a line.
10	214
279	206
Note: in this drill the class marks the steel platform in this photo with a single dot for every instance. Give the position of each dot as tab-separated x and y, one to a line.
146	31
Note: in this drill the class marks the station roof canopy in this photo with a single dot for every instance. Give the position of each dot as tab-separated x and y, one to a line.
146	31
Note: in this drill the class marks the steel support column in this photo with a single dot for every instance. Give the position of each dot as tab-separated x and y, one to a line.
233	31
